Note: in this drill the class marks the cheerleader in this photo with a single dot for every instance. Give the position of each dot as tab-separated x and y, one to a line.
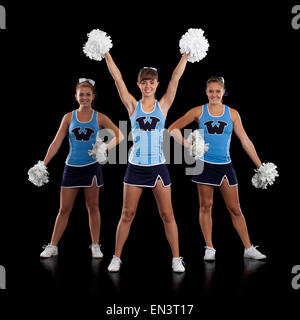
147	168
81	170
217	122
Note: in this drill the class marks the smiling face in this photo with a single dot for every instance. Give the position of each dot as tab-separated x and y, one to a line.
148	87
85	96
215	92
148	81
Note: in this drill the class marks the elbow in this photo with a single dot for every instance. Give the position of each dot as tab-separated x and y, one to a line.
120	137
172	129
117	76
54	146
246	143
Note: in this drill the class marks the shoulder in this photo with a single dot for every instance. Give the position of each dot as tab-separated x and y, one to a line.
234	114
197	111
193	114
103	120
68	114
67	118
198	108
101	115
136	106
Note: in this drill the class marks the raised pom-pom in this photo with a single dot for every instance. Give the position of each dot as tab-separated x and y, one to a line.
97	45
195	44
38	174
99	151
265	175
198	146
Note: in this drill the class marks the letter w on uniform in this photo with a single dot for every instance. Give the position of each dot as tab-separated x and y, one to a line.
147	126
85	136
215	129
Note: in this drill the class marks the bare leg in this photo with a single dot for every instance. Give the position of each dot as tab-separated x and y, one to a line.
131	198
92	204
67	198
231	198
206	193
163	199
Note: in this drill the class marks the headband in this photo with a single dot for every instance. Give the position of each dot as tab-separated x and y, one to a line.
92	82
149	68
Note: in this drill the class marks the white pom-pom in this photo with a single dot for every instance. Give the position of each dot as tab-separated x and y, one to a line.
265	175
99	151
97	45
195	44
38	174
198	146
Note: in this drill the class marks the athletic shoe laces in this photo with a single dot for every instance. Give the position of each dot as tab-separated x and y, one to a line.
178	261
47	246
115	261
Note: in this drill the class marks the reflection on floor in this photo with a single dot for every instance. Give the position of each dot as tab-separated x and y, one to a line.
229	284
139	282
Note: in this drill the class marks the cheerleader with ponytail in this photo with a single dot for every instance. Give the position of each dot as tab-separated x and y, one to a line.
217	121
82	168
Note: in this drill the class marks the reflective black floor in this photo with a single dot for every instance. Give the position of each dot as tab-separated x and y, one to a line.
232	284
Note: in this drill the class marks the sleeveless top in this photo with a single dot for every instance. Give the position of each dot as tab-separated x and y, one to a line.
147	132
82	136
217	132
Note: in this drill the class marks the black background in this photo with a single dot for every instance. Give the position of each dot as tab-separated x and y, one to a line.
256	50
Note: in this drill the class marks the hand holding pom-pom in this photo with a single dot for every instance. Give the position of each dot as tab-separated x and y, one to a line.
198	146
265	175
38	174
97	45
195	44
99	151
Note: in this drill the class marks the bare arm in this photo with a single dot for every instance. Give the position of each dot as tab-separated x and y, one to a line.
168	98
127	99
60	135
105	122
174	129
244	139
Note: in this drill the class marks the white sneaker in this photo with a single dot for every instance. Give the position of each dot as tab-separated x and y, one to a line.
253	253
96	252
209	254
177	265
115	264
49	251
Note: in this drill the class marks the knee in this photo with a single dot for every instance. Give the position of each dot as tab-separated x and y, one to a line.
65	211
206	206
235	211
128	215
92	207
167	216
